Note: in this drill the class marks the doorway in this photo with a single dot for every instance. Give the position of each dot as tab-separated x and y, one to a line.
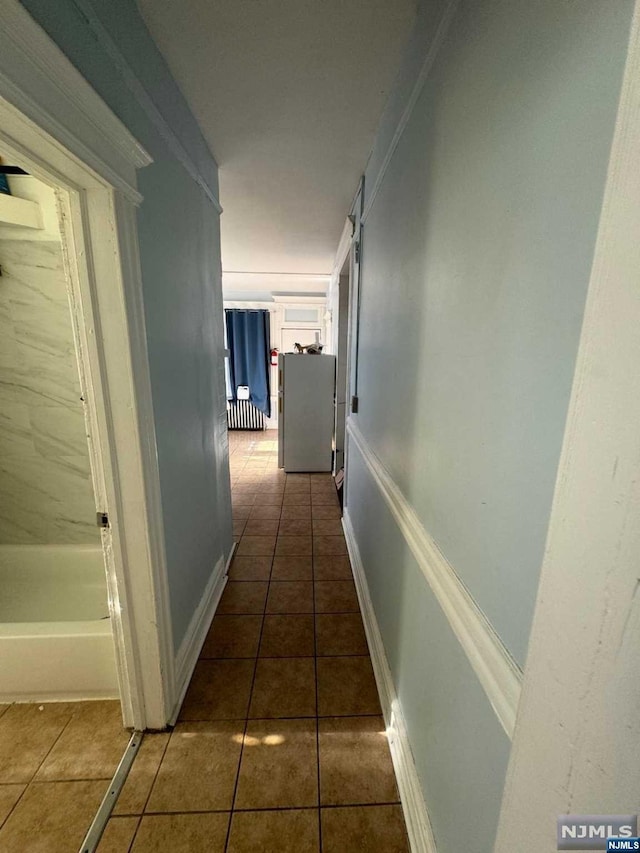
88	159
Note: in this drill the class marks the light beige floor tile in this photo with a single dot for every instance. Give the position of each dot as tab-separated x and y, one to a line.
284	687
118	835
182	833
219	690
199	768
51	817
368	829
9	796
355	762
232	637
275	832
279	767
27	733
137	788
90	747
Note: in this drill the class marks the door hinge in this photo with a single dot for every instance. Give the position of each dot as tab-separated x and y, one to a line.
357	247
354	405
102	519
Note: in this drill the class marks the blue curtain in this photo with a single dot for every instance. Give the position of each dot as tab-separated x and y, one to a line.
249	347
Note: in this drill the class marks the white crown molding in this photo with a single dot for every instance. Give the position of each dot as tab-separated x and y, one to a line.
413	804
74	114
496	670
145	101
427	65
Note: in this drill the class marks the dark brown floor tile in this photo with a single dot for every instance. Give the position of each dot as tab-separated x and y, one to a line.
332	568
294	568
368	829
325	498
340	634
53	815
294	545
9	796
232	637
239	525
355	762
118	835
297	489
256	546
262	527
242	597
327	527
242	498
265	511
250	568
182	833
336	597
290	597
346	685
287	636
90	747
295	511
279	767
295	527
199	768
326	511
27	733
297	499
284	687
278	831
329	546
271	499
133	796
219	690
241	511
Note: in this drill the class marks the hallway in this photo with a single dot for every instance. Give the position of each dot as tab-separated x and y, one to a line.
280	745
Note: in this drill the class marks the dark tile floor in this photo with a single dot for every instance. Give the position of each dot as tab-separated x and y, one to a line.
280	745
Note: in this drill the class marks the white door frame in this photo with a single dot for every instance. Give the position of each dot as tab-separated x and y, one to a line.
575	748
55	125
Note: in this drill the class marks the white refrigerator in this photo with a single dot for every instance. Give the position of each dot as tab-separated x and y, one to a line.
306	388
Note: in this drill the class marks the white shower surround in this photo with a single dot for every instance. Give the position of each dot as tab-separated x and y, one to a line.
56	641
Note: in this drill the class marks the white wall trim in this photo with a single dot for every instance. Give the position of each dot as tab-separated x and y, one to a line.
193	640
496	670
38	79
414	807
427	65
145	101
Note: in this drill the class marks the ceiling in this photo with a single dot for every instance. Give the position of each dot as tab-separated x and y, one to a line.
288	94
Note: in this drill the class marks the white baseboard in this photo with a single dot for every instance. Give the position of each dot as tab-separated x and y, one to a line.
415	810
191	645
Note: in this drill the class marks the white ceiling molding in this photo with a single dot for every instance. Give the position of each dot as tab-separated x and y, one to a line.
145	101
273	282
74	114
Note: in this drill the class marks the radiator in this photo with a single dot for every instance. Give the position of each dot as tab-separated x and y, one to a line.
244	415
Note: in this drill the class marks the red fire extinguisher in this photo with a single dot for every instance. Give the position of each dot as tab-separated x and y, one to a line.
274	357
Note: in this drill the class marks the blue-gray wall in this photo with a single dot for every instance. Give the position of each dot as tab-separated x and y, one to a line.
476	260
180	256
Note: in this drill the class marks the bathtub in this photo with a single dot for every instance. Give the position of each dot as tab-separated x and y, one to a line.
55	632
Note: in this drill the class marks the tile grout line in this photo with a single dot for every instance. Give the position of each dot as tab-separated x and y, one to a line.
246	722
